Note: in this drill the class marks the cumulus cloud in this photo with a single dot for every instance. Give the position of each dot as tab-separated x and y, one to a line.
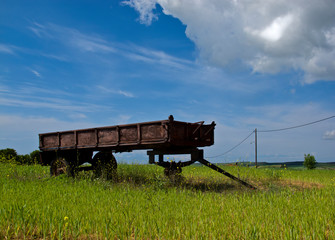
266	36
145	8
329	135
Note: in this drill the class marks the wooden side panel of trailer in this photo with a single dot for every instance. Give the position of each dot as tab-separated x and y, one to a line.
147	135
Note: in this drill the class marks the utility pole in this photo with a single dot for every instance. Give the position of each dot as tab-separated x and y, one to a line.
256	147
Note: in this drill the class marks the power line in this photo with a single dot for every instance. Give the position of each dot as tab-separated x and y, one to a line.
302	125
272	130
233	147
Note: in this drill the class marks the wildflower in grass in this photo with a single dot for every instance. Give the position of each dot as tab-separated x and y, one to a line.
66	221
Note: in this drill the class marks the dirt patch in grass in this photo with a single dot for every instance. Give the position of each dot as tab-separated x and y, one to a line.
282	184
300	184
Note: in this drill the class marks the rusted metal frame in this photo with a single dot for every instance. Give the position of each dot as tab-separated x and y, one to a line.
76	139
41	141
198	122
171	118
167	131
118	136
143	143
80	147
129	146
58	136
170	167
196	155
62	148
172	151
164	142
210	129
139	134
96	137
220	170
121	126
151	158
161	154
49	149
168	125
199	126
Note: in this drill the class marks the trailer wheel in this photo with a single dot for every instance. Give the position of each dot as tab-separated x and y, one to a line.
105	165
60	166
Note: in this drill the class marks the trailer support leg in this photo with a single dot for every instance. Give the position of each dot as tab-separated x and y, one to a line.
198	155
220	170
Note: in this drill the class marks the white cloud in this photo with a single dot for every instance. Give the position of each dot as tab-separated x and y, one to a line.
276	29
37	74
46	103
268	36
38	29
6	49
145	7
78	116
80	43
126	94
329	135
30	97
52	56
73	38
114	91
138	53
3	88
91	44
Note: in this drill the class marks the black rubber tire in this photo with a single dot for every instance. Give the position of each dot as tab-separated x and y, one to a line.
104	165
60	166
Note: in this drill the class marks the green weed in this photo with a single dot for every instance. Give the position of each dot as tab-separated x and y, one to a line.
143	204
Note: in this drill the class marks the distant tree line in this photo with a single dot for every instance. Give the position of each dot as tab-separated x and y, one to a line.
10	155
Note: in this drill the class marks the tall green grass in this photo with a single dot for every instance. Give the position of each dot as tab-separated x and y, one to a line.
143	204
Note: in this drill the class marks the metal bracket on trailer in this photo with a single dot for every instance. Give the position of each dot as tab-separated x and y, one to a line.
196	155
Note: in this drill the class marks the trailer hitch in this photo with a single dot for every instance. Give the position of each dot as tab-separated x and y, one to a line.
220	170
196	155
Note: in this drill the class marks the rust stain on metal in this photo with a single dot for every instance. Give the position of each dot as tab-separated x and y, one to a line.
147	135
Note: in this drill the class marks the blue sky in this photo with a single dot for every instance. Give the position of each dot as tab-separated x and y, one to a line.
266	65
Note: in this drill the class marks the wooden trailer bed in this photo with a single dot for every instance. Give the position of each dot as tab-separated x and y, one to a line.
164	134
66	151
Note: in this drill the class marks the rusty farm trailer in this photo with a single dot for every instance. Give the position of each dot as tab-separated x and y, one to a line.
66	151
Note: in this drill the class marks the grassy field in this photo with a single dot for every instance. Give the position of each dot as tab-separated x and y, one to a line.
143	204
